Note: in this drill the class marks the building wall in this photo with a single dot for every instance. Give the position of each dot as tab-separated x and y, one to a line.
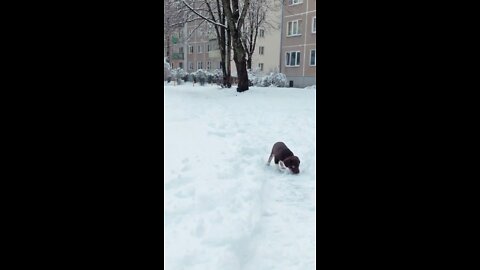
275	43
270	42
304	74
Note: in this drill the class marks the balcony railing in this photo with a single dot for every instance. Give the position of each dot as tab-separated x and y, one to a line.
177	56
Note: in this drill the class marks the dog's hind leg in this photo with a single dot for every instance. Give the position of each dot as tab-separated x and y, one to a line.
270	159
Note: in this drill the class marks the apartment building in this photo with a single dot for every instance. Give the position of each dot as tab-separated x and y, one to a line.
298	43
267	48
288	45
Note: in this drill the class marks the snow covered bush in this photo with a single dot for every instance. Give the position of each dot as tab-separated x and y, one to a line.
166	69
191	77
185	77
278	79
253	77
201	76
274	79
217	75
178	74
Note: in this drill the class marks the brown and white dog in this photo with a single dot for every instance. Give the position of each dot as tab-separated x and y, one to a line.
284	158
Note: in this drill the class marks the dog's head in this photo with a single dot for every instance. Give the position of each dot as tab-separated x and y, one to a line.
292	163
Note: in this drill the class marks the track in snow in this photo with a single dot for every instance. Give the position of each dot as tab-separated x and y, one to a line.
224	209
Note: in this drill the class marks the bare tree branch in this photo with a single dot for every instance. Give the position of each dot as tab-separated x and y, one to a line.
200	15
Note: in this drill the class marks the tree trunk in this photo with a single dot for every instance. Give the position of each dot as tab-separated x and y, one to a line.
228	59
168	48
240	63
242	75
235	21
222	48
249	62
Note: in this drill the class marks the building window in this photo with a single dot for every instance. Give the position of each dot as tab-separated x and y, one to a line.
180	50
190	65
294	2
199	48
292	59
313	57
208	65
208	47
260	50
199	65
260	66
262	33
293	28
314	25
180	65
190	49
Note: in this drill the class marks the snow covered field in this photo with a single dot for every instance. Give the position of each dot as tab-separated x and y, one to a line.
224	208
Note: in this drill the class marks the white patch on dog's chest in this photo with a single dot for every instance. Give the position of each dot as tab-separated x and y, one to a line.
282	167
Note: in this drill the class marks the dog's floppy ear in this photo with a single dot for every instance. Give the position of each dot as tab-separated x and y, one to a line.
296	160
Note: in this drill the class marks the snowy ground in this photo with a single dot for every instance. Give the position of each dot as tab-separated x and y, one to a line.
224	209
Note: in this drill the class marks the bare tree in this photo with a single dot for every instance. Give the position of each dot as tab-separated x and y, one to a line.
212	12
231	17
174	19
235	16
255	21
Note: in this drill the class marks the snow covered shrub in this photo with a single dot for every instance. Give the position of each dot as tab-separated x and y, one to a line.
210	78
278	79
201	76
265	81
253	77
274	79
185	77
166	69
178	74
217	75
191	77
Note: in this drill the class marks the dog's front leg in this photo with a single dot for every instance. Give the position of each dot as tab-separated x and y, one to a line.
269	160
281	166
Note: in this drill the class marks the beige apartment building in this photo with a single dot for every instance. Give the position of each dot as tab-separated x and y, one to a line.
195	47
288	46
299	49
267	48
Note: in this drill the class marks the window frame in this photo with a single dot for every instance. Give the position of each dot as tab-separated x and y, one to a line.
314	22
288	58
261	33
292	2
298	28
261	50
315	58
199	65
260	66
191	50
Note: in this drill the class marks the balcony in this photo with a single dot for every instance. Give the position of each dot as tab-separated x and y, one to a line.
177	56
215	54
